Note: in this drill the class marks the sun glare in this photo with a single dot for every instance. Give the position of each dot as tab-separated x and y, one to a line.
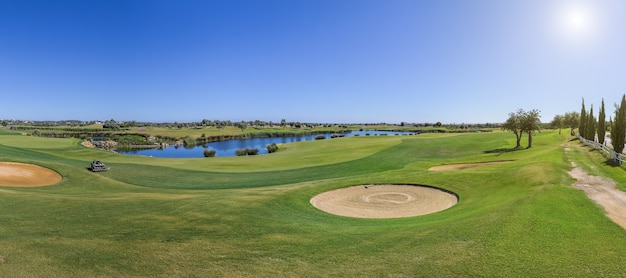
576	22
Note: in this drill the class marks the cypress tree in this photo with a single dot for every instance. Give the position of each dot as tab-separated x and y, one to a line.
583	121
590	127
601	124
618	131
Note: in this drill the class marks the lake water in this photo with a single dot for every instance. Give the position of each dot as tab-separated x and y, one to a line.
228	148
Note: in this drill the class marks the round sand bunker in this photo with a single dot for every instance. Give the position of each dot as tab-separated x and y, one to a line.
384	201
26	175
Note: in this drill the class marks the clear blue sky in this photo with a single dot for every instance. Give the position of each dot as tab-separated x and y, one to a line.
454	61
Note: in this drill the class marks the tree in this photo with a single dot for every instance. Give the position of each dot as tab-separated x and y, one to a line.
571	120
242	125
557	122
583	121
513	124
530	123
618	130
590	127
601	124
111	124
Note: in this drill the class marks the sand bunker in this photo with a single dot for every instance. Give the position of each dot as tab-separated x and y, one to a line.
384	201
26	175
464	166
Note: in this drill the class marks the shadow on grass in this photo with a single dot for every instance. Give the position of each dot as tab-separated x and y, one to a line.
612	163
505	150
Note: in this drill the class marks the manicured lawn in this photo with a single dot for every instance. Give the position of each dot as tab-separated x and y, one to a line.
250	216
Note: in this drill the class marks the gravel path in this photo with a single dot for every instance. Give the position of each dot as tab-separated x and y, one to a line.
603	192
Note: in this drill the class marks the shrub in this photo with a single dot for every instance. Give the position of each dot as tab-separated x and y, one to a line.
188	141
320	137
208	153
271	148
246	151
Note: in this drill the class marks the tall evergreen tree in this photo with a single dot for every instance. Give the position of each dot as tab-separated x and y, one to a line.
590	127
583	121
618	130
601	124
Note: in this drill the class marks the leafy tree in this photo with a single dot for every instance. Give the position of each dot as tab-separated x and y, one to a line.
242	125
571	120
601	124
514	124
130	123
618	130
557	122
111	124
530	123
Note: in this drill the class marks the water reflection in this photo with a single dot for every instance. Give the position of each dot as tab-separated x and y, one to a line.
228	148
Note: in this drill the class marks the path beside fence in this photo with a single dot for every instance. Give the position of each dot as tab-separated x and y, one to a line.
604	148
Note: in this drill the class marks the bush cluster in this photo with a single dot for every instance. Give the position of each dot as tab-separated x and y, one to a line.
271	148
246	151
209	153
189	141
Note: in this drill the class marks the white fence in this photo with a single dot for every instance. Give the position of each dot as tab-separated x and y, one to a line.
606	149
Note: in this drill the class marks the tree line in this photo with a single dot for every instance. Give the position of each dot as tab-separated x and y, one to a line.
596	129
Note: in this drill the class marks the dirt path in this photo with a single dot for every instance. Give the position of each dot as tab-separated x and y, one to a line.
603	192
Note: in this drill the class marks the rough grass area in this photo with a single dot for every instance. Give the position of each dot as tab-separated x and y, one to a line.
251	216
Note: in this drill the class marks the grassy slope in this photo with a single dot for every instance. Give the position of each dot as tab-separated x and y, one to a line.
520	218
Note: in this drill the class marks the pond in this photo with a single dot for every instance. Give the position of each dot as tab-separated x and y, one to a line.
228	148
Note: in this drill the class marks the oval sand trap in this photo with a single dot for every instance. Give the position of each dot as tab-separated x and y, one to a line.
26	175
384	201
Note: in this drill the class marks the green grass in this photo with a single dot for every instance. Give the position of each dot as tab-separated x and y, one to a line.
250	216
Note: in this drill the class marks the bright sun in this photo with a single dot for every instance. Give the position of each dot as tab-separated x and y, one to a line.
576	21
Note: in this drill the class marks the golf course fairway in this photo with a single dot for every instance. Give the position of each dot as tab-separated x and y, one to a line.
252	216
